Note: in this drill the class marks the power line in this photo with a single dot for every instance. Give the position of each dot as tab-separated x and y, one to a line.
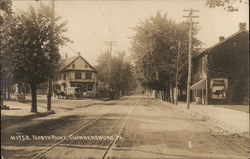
81	18
71	49
107	21
101	12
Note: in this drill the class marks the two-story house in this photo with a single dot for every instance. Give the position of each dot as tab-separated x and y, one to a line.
220	73
76	72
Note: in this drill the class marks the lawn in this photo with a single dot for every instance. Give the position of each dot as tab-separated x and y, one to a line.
243	108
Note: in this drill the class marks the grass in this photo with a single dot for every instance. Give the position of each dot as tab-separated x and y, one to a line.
243	108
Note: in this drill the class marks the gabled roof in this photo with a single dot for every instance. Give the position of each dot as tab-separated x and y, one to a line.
66	62
221	42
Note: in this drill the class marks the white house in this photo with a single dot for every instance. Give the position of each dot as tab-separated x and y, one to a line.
76	72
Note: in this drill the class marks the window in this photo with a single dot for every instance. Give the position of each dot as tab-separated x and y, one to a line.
78	75
84	88
203	65
90	87
73	66
72	84
64	76
86	66
88	75
219	87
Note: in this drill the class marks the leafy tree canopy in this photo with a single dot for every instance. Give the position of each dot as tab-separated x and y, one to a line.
5	5
35	42
5	51
229	5
154	50
122	77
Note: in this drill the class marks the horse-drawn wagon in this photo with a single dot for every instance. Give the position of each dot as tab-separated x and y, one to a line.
73	92
69	93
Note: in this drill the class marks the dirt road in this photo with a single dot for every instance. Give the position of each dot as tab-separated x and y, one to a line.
134	127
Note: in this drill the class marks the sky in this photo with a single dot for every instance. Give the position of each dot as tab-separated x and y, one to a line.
91	23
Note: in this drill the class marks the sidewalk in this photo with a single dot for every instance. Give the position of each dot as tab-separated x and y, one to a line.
219	119
20	109
20	112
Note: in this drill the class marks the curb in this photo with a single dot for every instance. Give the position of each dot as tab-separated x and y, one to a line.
31	116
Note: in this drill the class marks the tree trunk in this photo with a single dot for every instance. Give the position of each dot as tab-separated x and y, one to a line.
164	95
49	94
176	95
4	92
33	98
9	92
177	74
1	93
171	93
167	94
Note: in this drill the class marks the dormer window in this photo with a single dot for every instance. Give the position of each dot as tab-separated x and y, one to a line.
86	66
73	66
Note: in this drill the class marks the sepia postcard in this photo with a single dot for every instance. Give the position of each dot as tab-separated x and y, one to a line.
124	79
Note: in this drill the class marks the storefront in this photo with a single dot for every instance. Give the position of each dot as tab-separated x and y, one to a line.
199	92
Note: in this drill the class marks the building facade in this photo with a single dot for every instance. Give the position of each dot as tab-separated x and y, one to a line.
220	73
76	72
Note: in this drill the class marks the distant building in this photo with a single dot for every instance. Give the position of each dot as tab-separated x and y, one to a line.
220	73
76	72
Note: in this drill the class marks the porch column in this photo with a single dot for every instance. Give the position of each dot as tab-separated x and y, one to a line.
206	99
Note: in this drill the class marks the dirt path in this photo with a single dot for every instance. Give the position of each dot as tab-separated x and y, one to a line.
151	130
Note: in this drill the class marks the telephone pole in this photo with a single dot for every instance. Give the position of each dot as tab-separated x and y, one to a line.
110	44
190	47
2	70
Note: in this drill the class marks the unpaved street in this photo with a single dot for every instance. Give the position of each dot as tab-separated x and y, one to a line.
145	128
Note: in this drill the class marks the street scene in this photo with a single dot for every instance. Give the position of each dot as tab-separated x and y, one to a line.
124	79
146	128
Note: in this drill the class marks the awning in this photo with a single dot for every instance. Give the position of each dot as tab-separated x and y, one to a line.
199	85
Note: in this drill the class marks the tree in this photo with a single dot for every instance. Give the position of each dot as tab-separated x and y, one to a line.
5	5
35	44
5	51
229	5
122	78
154	52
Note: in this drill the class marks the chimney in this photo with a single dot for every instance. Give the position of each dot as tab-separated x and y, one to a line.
78	53
66	56
221	38
242	26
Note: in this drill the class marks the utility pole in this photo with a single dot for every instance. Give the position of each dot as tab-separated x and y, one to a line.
110	44
49	93
190	47
121	54
2	68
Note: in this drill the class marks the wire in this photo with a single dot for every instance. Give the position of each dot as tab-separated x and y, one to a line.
81	18
77	53
71	49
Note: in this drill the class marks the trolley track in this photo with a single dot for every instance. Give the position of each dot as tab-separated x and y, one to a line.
86	130
65	139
